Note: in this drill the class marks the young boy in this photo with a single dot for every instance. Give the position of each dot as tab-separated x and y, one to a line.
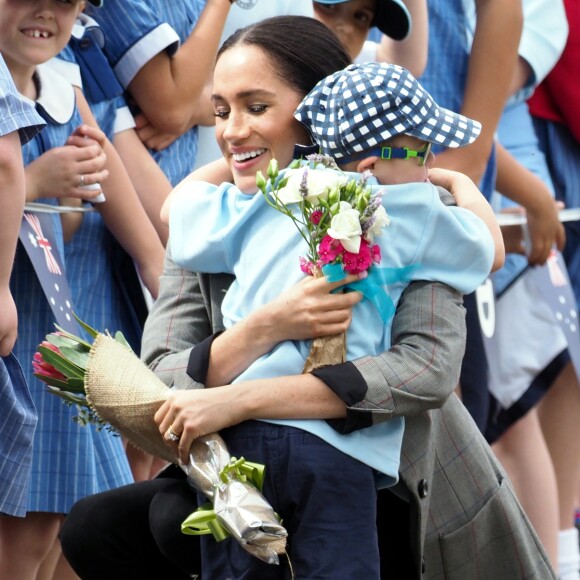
221	229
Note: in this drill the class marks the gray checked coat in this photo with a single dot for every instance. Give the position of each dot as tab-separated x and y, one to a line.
466	522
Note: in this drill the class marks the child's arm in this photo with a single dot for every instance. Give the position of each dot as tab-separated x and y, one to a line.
166	89
12	193
528	190
412	51
468	196
149	181
491	67
215	172
124	215
158	140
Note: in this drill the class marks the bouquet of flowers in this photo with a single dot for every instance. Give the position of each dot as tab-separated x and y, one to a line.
338	217
113	387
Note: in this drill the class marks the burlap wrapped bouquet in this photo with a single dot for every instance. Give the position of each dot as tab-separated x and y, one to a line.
118	389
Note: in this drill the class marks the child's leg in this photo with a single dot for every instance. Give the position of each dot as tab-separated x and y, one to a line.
327	501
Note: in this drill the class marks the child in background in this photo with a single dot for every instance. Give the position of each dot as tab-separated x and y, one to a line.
19	122
103	279
69	461
229	226
403	24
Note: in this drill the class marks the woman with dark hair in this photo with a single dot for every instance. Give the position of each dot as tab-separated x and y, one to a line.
452	514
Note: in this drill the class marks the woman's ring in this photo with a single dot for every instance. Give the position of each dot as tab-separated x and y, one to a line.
171	435
82	182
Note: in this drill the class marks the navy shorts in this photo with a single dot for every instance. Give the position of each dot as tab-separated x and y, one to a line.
327	501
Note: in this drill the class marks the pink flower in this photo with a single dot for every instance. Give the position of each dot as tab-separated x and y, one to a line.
316	216
306	266
356	263
376	253
329	249
45	369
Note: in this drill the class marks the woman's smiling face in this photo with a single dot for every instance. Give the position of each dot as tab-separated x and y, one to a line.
254	114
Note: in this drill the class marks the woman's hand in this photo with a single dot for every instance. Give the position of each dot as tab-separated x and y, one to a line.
194	413
308	310
62	171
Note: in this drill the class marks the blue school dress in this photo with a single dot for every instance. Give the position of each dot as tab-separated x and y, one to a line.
17	412
450	35
98	268
135	32
69	461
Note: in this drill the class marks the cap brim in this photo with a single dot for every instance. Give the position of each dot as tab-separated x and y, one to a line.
450	129
393	19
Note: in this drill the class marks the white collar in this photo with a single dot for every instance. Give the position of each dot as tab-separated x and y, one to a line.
56	96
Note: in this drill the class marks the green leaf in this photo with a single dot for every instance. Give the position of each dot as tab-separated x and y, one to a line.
66	342
81	359
119	337
73	337
76	385
60	363
88	328
69	397
51	381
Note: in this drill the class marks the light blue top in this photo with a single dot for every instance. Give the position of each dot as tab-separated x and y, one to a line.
136	31
219	229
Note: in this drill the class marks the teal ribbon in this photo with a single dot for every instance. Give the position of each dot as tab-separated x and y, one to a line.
373	286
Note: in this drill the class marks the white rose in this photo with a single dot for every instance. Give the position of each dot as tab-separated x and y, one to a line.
345	226
319	184
380	220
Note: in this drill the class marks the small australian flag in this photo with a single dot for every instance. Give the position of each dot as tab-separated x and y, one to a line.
39	241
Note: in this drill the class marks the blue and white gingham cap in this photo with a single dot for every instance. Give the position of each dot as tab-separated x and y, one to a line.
360	107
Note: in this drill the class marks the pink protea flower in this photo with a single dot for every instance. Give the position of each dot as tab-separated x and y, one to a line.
356	263
45	369
329	249
316	216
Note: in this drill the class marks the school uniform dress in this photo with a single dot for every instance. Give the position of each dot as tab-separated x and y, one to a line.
135	32
524	364
17	412
100	272
69	461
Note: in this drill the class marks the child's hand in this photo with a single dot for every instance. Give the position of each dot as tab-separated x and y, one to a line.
152	137
63	171
545	230
452	181
8	321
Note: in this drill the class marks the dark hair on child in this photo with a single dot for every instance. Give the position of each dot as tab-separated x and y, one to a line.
303	51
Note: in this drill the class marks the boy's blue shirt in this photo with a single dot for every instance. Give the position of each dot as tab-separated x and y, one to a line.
219	229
